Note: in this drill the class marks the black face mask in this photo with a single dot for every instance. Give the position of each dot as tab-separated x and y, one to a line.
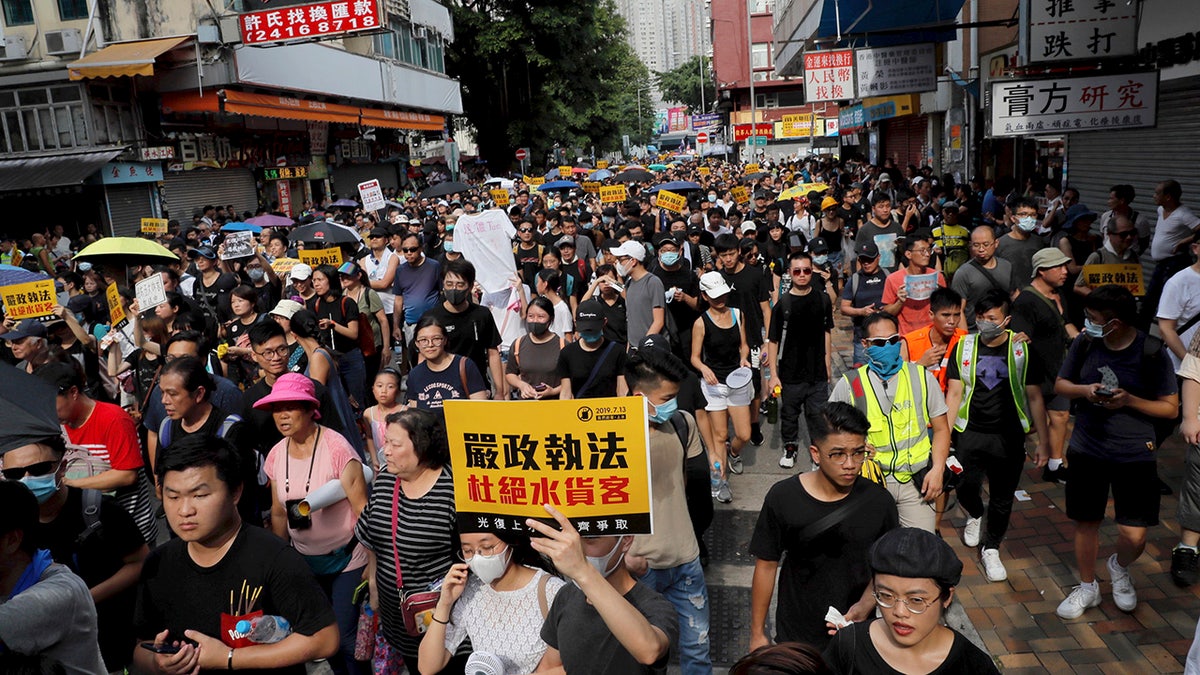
538	328
455	296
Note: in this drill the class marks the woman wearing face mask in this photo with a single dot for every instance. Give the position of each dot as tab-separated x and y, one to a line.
500	605
611	295
239	361
533	358
548	286
719	348
337	319
914	573
355	285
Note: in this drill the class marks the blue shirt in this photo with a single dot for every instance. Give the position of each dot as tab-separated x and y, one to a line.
418	286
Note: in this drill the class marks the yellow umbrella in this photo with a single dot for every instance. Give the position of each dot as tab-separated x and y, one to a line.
801	190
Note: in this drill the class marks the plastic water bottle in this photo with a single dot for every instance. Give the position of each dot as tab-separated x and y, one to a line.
264	630
715	478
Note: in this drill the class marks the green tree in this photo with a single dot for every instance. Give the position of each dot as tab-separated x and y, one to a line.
682	84
539	72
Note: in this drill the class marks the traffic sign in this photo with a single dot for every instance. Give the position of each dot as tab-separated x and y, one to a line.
521	154
756	140
702	137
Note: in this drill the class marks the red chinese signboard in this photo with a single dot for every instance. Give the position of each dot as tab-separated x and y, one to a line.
742	131
309	21
829	75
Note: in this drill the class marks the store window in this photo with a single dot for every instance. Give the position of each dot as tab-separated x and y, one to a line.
18	12
71	10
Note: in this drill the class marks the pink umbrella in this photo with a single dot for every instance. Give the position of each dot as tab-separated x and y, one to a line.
269	220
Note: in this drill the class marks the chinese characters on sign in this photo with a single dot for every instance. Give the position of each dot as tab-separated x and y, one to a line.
314	257
1129	276
612	194
829	76
677	119
371	194
154	225
743	131
1061	30
30	300
1102	103
589	459
895	70
851	119
591	186
309	21
285	172
156	153
116	310
671	201
500	196
740	194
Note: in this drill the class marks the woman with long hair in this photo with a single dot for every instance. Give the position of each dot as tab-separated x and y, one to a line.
532	365
239	361
337	319
357	286
441	375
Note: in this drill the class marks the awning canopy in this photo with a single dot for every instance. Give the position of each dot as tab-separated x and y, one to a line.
296	108
869	16
124	59
39	172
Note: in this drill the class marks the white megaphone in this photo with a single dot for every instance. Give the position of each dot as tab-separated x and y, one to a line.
329	493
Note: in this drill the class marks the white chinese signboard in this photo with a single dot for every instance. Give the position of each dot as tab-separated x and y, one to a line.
1101	103
829	75
1064	30
309	21
905	69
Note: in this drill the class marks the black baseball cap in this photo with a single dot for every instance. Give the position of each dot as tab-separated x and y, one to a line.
590	316
867	249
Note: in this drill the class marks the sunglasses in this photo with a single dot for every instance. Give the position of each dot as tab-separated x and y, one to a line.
525	229
1125	235
883	341
800	271
35	470
864	259
411	249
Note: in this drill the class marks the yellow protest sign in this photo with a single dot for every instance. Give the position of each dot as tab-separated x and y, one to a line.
29	300
564	171
752	167
321	256
154	225
116	311
704	170
671	201
610	194
588	458
533	181
1129	276
592	186
602	164
740	194
283	266
500	196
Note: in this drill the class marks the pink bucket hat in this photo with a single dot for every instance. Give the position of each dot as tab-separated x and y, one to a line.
291	387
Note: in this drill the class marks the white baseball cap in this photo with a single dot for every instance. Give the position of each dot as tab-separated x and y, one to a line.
631	248
713	284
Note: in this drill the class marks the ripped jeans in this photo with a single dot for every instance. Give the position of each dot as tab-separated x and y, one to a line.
683	586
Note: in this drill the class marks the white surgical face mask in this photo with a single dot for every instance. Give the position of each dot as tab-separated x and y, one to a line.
490	567
602	563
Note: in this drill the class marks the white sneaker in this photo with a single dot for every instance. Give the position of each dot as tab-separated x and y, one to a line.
1079	601
724	494
1122	586
993	569
971	531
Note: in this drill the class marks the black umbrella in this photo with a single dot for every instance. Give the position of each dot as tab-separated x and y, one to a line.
27	406
444	189
324	232
634	176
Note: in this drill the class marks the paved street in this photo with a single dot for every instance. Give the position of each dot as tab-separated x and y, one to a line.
1013	621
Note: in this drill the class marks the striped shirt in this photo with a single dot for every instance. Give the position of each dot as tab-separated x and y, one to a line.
426	539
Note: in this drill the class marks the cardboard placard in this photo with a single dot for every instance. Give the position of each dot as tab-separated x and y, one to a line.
501	197
116	311
564	172
740	194
283	266
1129	276
613	194
150	292
592	186
671	201
238	245
372	195
587	458
752	167
154	225
704	170
321	256
534	181
602	164
29	300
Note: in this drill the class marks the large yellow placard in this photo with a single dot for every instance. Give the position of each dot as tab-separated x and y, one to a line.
1129	276
321	256
671	201
29	300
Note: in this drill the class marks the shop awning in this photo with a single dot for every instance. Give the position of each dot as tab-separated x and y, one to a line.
124	59
39	172
296	108
870	16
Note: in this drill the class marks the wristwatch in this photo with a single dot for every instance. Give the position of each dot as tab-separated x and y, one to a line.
230	662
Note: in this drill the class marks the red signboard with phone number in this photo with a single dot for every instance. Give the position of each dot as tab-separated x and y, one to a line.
309	21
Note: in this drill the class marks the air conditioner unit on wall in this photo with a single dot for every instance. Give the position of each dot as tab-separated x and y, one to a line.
67	42
420	32
12	48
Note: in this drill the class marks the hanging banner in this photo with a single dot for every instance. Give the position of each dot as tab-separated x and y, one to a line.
613	194
883	71
29	300
589	459
321	256
829	75
671	201
1069	104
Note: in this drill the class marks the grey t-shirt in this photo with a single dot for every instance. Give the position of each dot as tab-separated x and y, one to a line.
585	643
886	239
1020	254
535	363
973	281
56	618
641	297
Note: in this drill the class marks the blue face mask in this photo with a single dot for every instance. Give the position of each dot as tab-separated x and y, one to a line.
42	487
1027	223
885	360
1094	330
669	258
820	259
712	198
663	411
591	338
449	246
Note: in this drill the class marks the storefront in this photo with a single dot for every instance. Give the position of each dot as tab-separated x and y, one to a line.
130	194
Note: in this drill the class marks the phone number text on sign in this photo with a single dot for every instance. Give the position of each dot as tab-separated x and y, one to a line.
307	21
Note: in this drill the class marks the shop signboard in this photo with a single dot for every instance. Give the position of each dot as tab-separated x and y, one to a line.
1071	104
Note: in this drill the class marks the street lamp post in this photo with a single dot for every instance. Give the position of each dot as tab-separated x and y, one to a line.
750	65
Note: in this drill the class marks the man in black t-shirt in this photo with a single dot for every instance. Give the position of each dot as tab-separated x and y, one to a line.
863	294
683	308
470	329
750	293
220	568
798	351
994	388
826	561
591	367
213	287
108	557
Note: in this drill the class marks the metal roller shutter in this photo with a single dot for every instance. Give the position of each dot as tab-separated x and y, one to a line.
904	139
1142	157
346	178
127	205
184	193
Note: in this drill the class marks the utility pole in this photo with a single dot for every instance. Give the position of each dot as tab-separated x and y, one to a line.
750	67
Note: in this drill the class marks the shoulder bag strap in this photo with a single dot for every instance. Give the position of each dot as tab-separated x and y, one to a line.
542	604
395	543
991	279
812	530
595	370
462	375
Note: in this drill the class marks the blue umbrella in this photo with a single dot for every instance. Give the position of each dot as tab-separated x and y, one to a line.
11	274
677	186
600	174
551	174
558	185
241	227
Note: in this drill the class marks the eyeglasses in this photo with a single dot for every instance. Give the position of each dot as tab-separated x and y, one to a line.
920	251
277	353
35	470
882	341
979	246
429	341
1128	234
840	457
486	551
888	600
411	249
801	271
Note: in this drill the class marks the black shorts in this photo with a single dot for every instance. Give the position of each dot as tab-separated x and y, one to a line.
1134	490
